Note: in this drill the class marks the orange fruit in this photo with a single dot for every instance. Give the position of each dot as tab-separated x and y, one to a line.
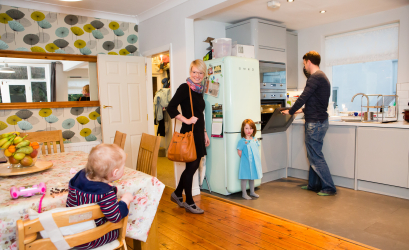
7	153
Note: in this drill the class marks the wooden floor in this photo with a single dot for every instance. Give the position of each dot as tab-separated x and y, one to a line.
226	225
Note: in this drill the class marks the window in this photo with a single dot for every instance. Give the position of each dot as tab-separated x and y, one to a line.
29	83
364	61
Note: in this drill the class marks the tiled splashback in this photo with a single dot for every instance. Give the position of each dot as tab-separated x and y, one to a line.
77	124
43	31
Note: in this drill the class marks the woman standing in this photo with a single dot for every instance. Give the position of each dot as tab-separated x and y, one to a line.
181	97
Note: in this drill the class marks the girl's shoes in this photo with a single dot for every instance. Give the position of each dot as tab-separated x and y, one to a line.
176	199
190	209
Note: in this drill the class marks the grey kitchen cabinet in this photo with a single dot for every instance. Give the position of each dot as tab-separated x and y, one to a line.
383	155
338	150
292	60
274	151
271	35
267	37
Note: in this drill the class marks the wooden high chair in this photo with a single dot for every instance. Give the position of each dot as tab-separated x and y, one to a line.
27	230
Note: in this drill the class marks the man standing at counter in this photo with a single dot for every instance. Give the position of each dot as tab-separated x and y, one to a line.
315	97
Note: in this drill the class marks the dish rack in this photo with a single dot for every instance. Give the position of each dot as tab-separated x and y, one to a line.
381	116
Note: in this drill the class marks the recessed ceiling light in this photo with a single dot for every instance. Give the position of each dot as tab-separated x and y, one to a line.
323	11
70	0
290	1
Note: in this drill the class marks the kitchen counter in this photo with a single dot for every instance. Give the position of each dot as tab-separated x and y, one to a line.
364	156
337	122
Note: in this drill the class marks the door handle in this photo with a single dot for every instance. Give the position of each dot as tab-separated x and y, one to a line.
107	106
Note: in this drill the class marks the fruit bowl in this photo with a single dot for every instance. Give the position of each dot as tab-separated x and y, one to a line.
19	152
28	161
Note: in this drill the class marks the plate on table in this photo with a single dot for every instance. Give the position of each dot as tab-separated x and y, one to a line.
38	167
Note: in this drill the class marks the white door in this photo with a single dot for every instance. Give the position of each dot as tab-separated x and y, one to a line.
122	95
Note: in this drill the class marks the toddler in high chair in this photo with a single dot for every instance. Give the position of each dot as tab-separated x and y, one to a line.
106	163
250	163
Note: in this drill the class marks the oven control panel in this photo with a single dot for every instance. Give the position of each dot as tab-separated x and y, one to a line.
272	86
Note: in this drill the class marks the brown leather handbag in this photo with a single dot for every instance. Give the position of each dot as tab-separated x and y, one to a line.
182	147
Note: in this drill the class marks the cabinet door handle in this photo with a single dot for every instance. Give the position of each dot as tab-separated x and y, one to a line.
107	106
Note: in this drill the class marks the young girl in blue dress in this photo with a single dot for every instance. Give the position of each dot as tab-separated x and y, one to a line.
250	163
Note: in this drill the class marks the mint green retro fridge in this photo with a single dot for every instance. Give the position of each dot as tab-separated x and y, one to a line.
232	94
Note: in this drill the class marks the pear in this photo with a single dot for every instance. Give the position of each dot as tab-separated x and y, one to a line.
13	160
26	161
19	156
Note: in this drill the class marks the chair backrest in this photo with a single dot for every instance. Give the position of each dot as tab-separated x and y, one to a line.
27	230
48	138
120	139
148	154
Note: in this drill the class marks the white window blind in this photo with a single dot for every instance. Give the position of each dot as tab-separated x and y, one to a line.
75	85
368	45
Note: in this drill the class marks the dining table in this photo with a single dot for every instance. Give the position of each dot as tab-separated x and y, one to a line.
146	189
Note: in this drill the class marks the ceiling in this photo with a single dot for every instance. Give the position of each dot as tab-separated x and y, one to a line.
302	14
124	7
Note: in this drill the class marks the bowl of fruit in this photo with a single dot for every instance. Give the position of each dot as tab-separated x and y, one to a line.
19	152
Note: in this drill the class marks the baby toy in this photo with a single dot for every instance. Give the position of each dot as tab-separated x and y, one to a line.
28	191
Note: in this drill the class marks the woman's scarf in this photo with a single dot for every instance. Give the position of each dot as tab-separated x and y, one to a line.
198	88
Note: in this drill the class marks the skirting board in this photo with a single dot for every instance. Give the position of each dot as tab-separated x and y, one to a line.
383	189
273	175
338	181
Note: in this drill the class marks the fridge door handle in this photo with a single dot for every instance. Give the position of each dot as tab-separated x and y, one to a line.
260	138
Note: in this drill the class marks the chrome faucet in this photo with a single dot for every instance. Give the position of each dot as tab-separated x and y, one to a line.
367	98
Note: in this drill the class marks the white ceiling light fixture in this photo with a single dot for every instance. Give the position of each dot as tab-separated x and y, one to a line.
70	0
273	4
290	1
323	11
6	69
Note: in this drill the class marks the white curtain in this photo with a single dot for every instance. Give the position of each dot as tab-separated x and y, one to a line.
368	45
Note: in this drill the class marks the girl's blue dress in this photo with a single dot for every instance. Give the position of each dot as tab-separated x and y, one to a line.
250	163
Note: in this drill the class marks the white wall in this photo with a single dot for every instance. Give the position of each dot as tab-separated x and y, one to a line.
313	39
204	29
176	27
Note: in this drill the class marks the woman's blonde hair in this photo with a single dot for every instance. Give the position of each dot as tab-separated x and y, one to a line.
200	65
86	88
103	159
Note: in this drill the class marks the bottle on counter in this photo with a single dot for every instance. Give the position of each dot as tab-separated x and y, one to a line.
288	100
336	111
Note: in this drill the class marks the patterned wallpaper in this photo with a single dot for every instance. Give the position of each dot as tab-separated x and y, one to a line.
43	31
77	124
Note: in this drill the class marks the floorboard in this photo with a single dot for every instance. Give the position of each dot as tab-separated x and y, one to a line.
228	225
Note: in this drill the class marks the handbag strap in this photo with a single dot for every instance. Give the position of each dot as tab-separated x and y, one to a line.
191	106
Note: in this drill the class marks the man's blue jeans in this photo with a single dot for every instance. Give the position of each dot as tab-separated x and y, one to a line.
319	176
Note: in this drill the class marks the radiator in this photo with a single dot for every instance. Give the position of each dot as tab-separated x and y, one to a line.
77	146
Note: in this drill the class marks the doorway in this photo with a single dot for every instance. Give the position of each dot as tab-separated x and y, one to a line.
161	85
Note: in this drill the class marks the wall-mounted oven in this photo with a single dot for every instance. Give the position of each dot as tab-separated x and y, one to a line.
272	89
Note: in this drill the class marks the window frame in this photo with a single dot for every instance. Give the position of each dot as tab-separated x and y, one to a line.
5	86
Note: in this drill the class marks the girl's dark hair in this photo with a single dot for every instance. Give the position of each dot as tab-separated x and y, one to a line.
252	125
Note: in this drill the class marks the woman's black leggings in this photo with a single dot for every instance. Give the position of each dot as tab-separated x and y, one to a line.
186	180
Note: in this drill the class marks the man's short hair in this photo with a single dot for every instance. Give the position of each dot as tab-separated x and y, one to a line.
313	56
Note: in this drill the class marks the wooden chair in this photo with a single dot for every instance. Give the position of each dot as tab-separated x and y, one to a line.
48	138
148	154
27	230
147	160
120	139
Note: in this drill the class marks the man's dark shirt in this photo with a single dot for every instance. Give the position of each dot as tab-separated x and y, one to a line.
315	97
